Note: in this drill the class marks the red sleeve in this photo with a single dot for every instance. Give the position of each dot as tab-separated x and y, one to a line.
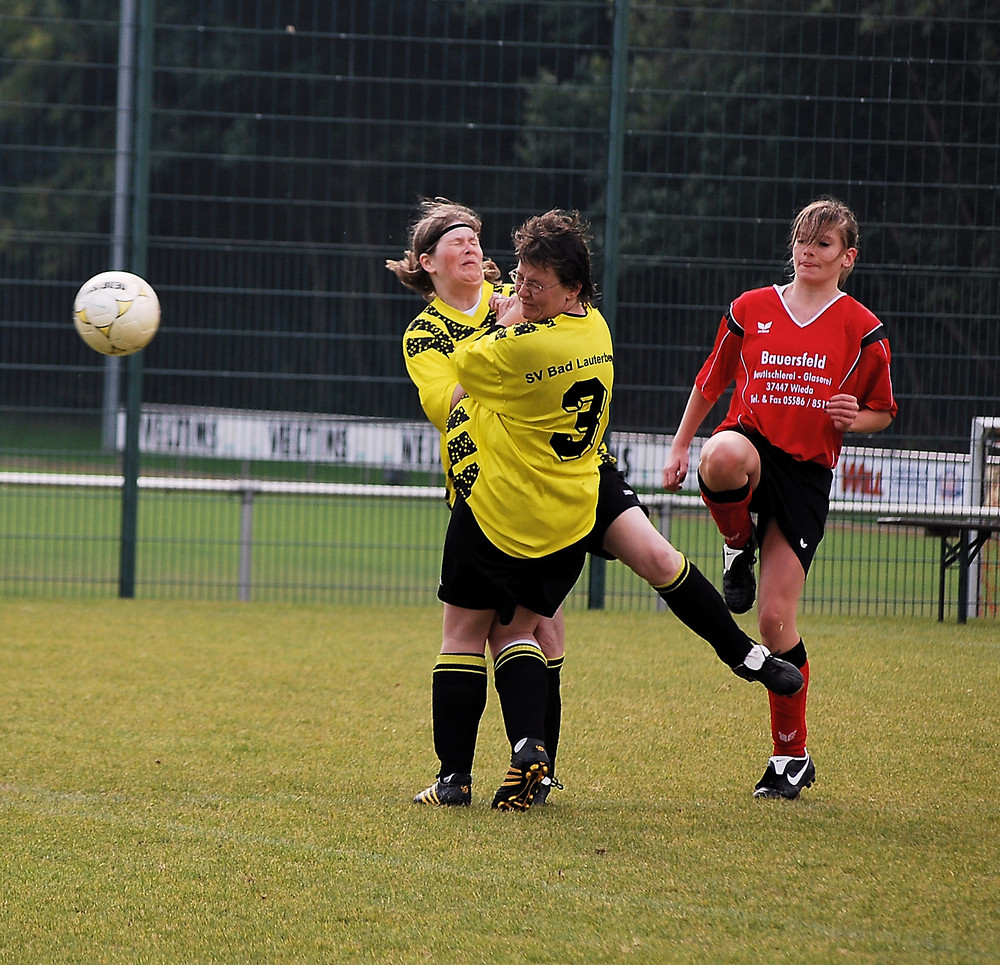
871	382
719	369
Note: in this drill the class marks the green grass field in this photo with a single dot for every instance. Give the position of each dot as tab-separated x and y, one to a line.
215	782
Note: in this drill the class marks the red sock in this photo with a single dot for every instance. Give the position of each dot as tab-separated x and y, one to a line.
731	512
788	720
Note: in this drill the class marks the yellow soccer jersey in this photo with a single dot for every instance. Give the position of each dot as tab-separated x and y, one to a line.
429	344
523	446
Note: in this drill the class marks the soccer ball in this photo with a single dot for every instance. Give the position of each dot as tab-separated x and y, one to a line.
116	313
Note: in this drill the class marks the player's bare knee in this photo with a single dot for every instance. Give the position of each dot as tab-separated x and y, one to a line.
552	642
663	564
777	629
723	464
716	470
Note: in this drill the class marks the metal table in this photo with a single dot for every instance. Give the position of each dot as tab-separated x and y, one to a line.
962	535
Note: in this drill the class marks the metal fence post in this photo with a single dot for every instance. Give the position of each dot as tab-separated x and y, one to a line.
246	544
616	137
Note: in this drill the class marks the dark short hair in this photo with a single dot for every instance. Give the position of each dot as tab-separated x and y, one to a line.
558	240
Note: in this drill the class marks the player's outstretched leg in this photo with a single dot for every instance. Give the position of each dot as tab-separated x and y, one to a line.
697	604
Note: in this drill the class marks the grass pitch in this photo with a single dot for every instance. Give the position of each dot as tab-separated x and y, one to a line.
217	782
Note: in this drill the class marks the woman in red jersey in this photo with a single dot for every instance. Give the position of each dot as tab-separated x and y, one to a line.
810	363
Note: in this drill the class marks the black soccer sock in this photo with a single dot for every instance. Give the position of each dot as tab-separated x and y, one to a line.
521	679
458	699
797	656
699	605
553	709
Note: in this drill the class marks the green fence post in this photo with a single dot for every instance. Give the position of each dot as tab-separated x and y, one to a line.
139	236
613	205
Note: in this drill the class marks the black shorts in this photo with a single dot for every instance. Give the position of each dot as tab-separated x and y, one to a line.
476	575
795	494
614	496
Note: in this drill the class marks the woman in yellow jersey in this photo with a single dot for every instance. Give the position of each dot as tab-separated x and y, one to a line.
445	264
521	449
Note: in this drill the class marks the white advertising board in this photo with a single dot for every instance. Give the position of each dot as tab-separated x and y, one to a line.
869	476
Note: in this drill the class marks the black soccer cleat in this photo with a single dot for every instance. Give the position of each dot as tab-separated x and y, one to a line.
779	676
529	766
454	790
785	777
739	585
544	786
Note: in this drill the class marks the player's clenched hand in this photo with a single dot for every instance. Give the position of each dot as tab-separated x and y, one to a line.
843	410
675	471
508	309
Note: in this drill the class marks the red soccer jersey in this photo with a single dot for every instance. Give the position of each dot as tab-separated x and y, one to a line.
786	370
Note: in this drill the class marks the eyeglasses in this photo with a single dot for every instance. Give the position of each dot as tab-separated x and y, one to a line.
533	287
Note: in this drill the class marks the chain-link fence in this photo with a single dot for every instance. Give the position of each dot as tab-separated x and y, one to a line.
274	159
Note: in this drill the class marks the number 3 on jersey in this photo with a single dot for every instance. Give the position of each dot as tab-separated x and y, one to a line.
588	399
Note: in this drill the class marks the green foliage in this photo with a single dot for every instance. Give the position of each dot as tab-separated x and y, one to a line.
57	78
289	143
710	117
222	783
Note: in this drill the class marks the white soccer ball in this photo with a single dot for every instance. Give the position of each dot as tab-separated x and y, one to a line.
116	313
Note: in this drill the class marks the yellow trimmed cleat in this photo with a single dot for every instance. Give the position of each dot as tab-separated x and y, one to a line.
529	767
452	791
